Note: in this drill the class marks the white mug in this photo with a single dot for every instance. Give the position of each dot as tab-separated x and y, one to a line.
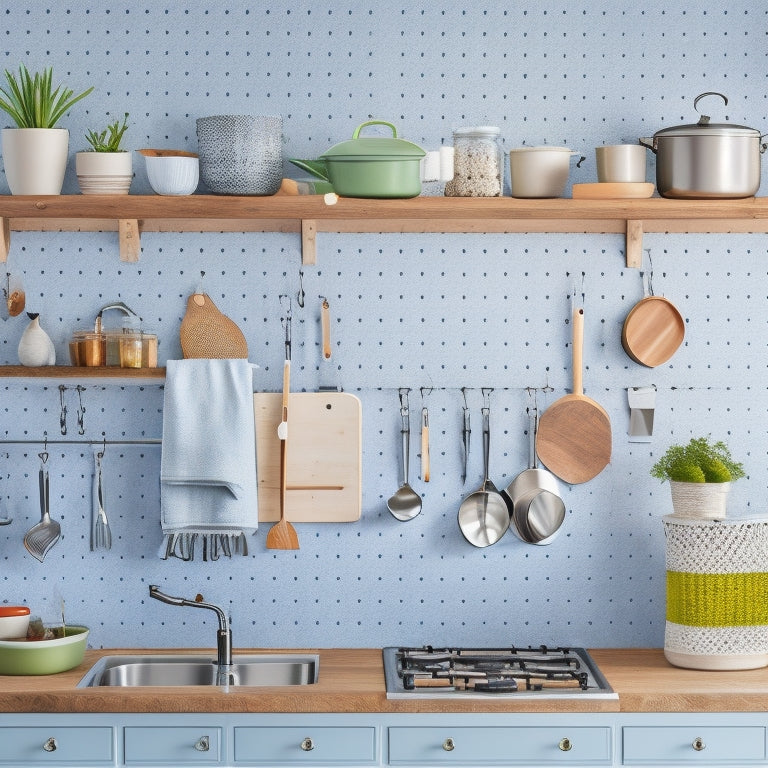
621	163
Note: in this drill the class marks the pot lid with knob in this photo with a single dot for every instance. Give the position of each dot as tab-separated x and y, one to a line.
704	126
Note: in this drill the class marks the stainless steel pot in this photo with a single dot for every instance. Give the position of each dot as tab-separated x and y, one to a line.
707	160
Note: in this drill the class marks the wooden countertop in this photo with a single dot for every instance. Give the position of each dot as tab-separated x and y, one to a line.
352	680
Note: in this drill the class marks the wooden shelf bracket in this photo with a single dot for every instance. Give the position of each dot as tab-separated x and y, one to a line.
308	242
634	243
130	239
5	238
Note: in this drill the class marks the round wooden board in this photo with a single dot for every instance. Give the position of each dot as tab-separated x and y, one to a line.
574	439
653	331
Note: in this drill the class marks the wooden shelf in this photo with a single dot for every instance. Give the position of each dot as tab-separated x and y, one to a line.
130	375
308	215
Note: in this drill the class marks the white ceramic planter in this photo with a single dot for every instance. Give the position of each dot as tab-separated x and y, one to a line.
706	501
35	159
104	173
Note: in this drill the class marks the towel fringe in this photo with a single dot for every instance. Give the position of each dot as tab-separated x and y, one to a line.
183	545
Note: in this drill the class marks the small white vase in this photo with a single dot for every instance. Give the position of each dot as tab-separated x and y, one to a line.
35	159
706	501
35	346
104	173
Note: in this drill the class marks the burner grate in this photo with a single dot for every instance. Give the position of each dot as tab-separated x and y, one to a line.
444	672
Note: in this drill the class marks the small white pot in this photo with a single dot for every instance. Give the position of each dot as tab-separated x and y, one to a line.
104	173
706	501
35	159
539	171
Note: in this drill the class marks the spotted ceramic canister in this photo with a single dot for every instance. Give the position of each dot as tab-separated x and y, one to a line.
717	593
241	154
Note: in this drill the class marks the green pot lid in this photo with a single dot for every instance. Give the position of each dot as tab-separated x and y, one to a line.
374	147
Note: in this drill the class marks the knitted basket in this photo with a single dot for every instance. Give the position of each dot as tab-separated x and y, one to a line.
717	593
699	500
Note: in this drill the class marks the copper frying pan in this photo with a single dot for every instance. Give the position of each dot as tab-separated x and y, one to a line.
574	436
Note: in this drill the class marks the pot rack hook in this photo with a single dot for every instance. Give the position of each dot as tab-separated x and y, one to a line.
43	455
63	410
300	295
80	410
286	320
486	393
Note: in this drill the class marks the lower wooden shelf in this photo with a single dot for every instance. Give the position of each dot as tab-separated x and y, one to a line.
129	375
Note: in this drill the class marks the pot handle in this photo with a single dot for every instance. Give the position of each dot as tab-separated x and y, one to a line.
704	119
356	134
648	143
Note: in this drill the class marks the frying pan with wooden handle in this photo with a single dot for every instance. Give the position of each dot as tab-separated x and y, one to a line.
574	437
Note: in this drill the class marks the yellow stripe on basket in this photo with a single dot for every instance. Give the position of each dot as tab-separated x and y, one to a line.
717	599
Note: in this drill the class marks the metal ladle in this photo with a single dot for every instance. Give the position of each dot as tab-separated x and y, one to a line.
405	503
483	515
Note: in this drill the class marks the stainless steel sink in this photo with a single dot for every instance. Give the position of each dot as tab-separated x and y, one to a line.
175	670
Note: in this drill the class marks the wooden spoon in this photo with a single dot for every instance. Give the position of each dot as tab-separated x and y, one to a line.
282	535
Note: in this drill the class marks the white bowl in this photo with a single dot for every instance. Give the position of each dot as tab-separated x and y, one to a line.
173	175
14	621
539	171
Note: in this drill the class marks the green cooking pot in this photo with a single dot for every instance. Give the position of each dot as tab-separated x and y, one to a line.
375	166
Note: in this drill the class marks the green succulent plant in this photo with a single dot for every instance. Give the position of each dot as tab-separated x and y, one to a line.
31	100
109	139
700	461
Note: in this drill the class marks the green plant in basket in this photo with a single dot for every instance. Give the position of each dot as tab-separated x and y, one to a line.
109	139
700	461
33	102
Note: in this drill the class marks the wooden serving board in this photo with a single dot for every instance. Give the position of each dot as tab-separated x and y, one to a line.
612	191
324	482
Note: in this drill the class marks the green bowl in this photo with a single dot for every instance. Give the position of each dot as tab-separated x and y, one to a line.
43	657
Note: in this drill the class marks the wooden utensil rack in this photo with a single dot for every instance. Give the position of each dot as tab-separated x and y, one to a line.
308	215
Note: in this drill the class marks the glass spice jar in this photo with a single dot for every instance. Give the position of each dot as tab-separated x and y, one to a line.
478	163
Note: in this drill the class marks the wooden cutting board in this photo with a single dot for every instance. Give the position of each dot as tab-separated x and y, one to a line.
324	457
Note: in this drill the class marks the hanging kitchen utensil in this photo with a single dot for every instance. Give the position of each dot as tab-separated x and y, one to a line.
282	535
537	509
405	503
466	433
206	332
654	328
15	297
41	537
574	435
425	460
102	534
483	515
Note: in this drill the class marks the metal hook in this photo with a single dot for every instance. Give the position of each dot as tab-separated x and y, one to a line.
100	454
63	413
486	392
80	410
650	272
287	325
300	295
43	456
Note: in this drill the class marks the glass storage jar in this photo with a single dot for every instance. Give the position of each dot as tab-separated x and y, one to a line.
478	163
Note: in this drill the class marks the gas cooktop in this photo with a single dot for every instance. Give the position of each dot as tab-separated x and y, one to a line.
536	672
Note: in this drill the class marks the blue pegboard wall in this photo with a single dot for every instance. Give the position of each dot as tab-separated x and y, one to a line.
433	312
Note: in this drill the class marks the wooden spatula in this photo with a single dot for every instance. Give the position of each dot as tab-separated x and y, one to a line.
282	535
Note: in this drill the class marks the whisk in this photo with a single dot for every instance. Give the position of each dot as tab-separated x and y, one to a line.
101	535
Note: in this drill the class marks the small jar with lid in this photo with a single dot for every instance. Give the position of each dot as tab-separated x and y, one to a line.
478	163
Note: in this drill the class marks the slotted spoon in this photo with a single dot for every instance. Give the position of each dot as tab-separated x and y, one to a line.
41	537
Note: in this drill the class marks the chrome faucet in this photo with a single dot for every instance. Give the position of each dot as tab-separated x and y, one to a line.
223	635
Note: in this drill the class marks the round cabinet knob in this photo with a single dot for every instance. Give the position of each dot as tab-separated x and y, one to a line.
698	744
308	745
565	745
50	745
449	745
203	744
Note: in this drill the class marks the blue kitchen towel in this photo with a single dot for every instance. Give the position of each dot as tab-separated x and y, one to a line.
208	491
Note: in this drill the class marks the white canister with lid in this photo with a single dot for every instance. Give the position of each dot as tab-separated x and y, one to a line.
539	171
478	163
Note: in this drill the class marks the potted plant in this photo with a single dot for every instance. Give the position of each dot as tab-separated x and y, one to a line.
700	475
35	151
105	169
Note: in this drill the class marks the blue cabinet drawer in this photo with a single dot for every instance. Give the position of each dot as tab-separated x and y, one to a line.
500	746
679	745
172	745
308	745
57	745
